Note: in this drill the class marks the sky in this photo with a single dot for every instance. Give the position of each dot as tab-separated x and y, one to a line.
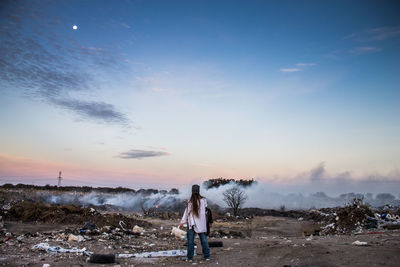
168	93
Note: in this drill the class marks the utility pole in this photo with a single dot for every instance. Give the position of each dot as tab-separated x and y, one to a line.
59	179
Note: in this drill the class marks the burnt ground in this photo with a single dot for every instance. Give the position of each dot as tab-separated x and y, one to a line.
265	241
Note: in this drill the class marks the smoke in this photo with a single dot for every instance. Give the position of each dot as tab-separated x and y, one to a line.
128	201
316	188
312	189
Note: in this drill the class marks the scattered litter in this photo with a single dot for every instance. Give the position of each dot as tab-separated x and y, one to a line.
165	253
138	229
57	249
87	228
8	237
75	238
123	225
178	233
374	232
359	243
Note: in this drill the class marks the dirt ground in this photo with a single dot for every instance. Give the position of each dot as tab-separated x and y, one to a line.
264	241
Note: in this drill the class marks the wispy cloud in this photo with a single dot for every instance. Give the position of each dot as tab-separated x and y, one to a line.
290	69
100	111
125	25
299	67
50	69
375	34
140	154
305	64
364	50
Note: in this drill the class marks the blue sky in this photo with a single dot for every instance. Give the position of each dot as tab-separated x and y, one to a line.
169	92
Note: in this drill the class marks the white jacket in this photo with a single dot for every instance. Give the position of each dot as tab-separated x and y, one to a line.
198	223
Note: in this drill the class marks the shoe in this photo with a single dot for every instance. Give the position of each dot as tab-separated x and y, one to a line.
207	259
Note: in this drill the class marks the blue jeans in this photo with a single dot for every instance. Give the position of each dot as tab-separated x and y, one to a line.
204	244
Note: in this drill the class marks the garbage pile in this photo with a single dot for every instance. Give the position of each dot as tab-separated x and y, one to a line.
67	214
354	218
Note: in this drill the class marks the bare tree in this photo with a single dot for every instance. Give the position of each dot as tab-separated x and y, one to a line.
234	198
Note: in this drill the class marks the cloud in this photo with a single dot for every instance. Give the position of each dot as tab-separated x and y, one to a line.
125	25
364	50
50	68
94	110
375	34
300	66
290	70
305	64
139	154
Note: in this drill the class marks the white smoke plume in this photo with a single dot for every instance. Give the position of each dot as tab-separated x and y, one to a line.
313	189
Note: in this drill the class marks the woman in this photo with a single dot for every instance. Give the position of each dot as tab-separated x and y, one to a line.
195	218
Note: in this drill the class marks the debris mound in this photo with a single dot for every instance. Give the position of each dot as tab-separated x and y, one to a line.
67	214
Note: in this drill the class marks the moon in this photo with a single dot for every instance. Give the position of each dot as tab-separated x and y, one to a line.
75	27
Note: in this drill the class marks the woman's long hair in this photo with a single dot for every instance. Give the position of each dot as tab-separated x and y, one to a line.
195	200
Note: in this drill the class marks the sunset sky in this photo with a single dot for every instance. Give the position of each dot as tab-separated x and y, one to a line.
165	93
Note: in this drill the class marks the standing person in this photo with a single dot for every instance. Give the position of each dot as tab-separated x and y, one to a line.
195	217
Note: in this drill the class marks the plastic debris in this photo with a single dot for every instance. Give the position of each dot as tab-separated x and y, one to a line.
57	249
178	233
165	253
137	229
75	238
123	225
359	243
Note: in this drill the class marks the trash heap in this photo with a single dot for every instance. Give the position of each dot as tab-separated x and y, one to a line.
354	218
348	219
67	214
